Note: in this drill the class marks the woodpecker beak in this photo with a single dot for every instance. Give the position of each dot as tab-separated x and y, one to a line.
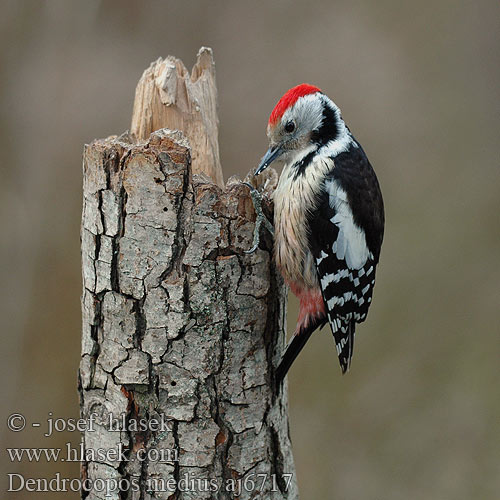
268	158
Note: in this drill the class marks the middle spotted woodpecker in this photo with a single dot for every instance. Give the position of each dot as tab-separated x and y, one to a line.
328	219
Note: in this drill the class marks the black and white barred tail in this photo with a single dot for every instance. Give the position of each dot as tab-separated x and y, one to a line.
343	333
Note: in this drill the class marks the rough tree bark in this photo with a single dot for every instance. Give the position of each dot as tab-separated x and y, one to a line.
181	328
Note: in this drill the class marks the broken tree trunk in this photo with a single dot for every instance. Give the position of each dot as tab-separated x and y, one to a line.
181	328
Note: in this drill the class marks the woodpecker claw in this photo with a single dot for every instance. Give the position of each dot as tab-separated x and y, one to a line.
260	218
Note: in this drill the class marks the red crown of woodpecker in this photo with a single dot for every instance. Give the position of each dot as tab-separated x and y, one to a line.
289	99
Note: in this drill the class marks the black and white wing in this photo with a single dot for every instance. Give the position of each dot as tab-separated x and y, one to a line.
346	232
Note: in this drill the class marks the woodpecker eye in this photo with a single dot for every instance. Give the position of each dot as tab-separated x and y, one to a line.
289	127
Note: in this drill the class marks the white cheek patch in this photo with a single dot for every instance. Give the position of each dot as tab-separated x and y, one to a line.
296	156
350	244
307	111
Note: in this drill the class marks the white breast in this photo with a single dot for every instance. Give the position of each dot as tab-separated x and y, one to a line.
292	199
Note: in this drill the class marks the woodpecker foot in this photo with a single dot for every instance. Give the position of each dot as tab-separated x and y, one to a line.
260	219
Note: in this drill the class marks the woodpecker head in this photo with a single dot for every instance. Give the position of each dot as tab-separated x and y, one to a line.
304	120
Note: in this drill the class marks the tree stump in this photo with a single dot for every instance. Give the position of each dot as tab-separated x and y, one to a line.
181	329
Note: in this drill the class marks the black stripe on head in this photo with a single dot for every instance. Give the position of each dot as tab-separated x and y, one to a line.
329	127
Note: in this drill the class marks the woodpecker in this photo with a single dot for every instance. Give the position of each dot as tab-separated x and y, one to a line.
328	219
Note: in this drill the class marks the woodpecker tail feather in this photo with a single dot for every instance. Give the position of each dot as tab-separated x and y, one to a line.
296	345
343	333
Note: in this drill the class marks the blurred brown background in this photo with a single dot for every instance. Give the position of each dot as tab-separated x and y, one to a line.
417	417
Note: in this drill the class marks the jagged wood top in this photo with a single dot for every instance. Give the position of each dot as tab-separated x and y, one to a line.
168	96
